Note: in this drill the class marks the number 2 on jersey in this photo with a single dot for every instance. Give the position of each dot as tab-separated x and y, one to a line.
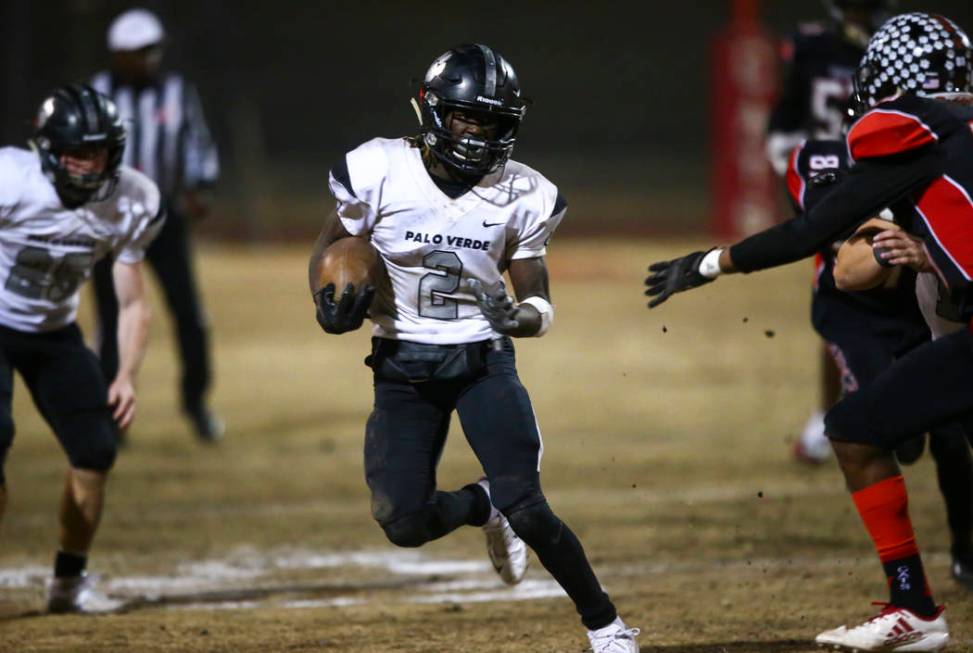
444	281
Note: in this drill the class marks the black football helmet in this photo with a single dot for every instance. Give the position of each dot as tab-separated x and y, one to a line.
470	78
76	116
919	53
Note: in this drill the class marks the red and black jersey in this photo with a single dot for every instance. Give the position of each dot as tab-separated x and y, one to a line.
817	83
912	154
815	168
942	210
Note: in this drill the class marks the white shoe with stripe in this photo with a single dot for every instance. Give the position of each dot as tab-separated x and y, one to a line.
893	629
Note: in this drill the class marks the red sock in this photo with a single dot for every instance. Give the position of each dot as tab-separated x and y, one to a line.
884	508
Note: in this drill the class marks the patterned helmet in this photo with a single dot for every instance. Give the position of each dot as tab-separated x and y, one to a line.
924	54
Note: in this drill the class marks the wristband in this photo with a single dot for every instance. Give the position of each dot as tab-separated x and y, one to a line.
709	267
546	310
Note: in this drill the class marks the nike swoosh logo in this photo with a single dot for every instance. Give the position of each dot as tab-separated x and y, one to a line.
492	224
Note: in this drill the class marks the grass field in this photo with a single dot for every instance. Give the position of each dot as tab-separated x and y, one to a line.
666	449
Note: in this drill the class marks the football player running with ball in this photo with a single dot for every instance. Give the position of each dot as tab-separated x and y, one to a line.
449	212
64	206
913	152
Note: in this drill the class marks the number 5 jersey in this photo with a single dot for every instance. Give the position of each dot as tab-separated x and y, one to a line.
431	244
47	250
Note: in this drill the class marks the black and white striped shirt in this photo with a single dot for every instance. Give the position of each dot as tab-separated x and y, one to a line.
168	138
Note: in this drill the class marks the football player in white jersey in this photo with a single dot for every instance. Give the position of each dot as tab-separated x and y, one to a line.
64	204
449	212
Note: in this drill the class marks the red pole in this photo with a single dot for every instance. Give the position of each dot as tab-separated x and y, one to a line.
744	85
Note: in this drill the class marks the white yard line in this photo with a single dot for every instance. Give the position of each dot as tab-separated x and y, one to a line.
248	579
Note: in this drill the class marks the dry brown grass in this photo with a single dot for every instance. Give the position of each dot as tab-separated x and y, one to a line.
666	450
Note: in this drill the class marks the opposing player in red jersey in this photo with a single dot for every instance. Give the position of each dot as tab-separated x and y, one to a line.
867	315
913	151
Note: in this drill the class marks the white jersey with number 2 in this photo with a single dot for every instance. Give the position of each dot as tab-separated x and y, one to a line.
47	250
432	244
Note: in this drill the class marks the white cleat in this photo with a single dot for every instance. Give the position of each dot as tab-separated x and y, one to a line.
77	595
508	553
616	637
813	447
893	629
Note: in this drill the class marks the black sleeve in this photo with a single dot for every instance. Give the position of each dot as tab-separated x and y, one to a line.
340	173
871	186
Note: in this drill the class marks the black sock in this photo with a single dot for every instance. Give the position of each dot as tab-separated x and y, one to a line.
68	565
908	587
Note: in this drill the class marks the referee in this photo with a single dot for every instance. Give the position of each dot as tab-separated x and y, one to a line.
169	141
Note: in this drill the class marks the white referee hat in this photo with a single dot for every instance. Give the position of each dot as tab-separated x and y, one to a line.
134	30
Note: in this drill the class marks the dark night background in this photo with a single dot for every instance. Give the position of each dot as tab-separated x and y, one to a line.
621	90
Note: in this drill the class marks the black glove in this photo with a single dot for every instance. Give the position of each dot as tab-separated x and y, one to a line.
496	305
669	277
348	313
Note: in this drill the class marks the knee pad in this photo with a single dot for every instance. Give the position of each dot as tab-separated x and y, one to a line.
509	492
409	531
97	455
910	451
536	524
848	421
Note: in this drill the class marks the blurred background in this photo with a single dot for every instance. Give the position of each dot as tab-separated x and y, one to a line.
621	120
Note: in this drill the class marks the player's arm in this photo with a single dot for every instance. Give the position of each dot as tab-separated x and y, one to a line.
871	186
133	336
532	288
873	253
346	312
857	266
533	314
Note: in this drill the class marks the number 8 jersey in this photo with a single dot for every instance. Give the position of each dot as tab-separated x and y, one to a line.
47	250
431	244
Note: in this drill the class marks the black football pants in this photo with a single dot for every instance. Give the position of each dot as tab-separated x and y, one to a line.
404	440
170	257
68	389
930	386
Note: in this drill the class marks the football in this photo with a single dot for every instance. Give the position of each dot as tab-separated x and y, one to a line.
350	260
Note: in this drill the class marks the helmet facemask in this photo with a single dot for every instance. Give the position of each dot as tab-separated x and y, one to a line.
78	120
465	153
475	81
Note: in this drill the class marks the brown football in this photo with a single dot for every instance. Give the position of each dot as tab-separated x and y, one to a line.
349	260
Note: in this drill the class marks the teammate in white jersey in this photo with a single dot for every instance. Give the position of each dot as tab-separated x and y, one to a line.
64	204
450	213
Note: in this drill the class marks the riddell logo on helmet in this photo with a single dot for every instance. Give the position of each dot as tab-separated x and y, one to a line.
490	100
